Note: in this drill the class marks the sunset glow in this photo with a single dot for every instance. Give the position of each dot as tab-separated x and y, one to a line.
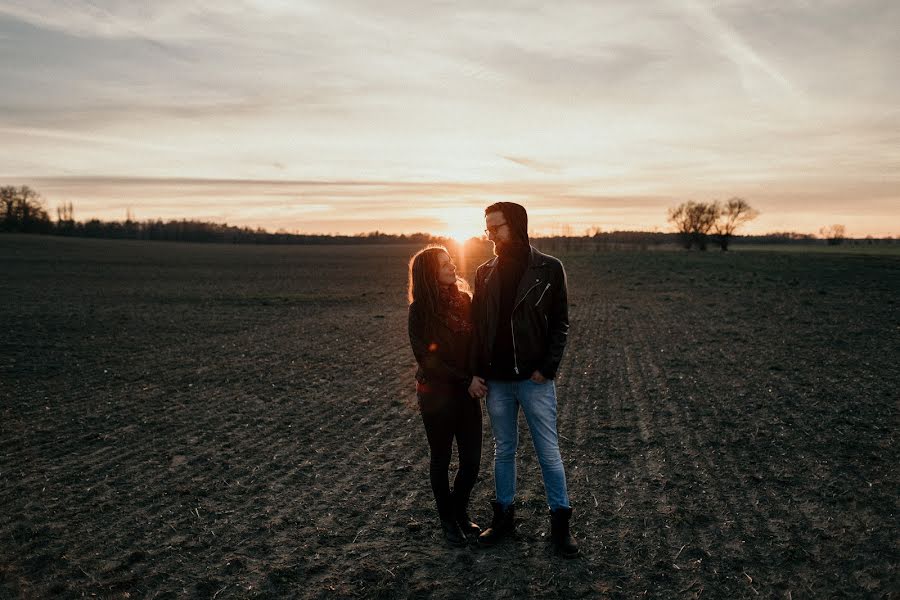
353	116
459	223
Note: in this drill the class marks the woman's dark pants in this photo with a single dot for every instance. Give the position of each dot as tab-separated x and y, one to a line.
448	413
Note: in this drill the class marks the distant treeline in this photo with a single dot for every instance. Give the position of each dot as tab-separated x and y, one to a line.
22	211
649	239
199	231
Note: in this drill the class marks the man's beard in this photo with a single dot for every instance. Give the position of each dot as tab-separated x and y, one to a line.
509	248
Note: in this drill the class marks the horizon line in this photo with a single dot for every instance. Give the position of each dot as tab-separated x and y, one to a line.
292	204
436	236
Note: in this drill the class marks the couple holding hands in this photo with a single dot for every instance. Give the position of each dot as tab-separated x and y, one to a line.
502	343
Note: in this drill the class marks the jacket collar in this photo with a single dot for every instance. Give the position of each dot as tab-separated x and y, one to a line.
535	259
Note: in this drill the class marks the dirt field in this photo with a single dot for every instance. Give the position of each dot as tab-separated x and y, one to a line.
217	421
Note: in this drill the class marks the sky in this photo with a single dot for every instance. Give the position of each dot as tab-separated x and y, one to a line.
348	116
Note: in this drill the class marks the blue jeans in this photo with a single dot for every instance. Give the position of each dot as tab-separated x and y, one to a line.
538	401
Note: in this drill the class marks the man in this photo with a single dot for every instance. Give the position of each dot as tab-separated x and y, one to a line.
520	314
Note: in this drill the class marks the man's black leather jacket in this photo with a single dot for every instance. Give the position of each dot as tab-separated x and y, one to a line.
540	316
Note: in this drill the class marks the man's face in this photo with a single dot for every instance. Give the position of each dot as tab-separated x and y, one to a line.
497	229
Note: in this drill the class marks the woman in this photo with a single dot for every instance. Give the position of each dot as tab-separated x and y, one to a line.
440	331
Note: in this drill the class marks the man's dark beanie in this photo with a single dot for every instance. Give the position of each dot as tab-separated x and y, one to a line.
516	218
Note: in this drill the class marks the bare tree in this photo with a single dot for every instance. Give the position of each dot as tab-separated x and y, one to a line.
8	199
834	234
678	216
693	222
23	210
65	218
735	212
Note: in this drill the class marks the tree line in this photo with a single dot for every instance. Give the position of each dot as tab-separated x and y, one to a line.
23	211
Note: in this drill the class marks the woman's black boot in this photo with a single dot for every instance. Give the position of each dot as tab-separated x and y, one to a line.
461	514
452	533
502	525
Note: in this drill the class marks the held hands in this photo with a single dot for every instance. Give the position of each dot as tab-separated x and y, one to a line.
477	388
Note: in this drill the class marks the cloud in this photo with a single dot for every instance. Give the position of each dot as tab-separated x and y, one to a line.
117	20
536	165
733	45
84	138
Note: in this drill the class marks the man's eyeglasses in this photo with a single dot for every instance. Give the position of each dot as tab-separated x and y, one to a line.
492	230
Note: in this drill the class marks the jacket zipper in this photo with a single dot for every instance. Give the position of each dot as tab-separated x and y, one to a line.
512	331
542	295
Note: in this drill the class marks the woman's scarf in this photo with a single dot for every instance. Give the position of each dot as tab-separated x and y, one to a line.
455	309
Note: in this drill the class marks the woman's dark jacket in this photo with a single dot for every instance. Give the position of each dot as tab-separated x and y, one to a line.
442	354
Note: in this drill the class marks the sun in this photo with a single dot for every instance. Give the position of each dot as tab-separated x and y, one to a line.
462	223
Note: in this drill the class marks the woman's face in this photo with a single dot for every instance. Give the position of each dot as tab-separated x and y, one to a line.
446	269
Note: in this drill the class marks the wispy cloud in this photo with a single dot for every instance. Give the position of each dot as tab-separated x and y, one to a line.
121	20
734	46
105	140
536	165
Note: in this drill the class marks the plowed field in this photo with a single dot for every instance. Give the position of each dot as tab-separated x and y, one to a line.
218	421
